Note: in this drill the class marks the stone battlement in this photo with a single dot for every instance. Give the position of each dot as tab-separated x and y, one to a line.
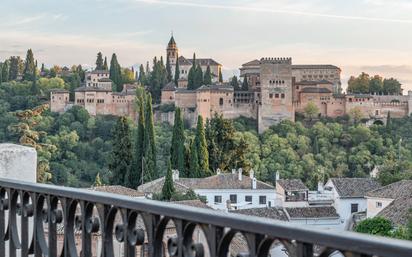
276	60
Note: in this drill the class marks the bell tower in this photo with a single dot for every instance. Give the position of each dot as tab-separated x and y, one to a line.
172	51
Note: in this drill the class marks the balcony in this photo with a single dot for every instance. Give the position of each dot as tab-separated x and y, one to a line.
45	220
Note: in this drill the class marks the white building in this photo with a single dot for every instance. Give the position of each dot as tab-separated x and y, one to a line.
392	201
222	191
349	195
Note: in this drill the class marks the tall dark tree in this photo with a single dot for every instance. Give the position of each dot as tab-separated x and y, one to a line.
5	71
149	143
14	67
177	72
105	66
220	134
235	83
34	90
135	177
121	155
220	76
191	77
29	66
116	73
193	171
207	78
81	72
201	148
177	151
142	75
168	188
157	79
198	77
99	61
168	70
245	85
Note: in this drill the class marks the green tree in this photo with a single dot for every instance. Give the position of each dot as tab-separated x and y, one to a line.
169	74
376	85
375	226
98	181
105	65
157	79
177	150
245	85
121	155
135	177
360	84
194	171
311	110
191	77
116	73
207	78
392	87
168	188
356	115
5	71
149	143
235	83
29	66
15	64
142	75
99	62
201	148
199	76
177	72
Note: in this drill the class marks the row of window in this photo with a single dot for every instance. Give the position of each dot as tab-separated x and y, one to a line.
276	82
248	199
318	76
277	95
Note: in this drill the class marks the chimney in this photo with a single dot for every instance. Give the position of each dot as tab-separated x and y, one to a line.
254	183
218	171
320	187
240	174
175	175
277	175
233	171
251	173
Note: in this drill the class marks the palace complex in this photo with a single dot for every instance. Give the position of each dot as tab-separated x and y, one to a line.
277	89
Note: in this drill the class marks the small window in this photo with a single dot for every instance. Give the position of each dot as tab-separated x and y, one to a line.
276	95
354	207
248	198
378	204
270	96
218	199
233	198
262	199
220	101
282	96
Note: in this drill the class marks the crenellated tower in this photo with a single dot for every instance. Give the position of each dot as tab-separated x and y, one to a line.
276	92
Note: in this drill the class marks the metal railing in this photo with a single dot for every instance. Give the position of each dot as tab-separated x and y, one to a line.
31	215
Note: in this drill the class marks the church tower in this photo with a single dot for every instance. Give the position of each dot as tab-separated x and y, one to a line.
172	52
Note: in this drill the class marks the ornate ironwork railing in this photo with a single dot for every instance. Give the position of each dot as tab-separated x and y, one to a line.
44	220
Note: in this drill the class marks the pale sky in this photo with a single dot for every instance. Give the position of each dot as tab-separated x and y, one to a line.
357	35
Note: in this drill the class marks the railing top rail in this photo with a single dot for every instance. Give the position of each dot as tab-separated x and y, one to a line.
344	240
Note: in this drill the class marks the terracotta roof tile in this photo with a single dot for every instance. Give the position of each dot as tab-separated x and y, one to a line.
354	187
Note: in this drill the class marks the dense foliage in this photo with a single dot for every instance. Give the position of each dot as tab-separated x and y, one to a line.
364	84
383	227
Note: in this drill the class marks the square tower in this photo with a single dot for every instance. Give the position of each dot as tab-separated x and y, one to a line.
276	92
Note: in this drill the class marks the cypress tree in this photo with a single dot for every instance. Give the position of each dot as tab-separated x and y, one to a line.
199	77
97	181
139	163
5	71
201	147
193	171
220	76
168	70
142	75
245	85
14	67
388	122
1	73
105	66
177	72
121	155
99	61
115	73
168	188
207	79
149	143
235	83
34	90
191	77
29	66
315	145
177	151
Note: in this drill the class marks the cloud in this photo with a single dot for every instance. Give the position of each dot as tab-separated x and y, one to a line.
251	8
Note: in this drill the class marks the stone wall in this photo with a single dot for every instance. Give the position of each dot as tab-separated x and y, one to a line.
18	162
